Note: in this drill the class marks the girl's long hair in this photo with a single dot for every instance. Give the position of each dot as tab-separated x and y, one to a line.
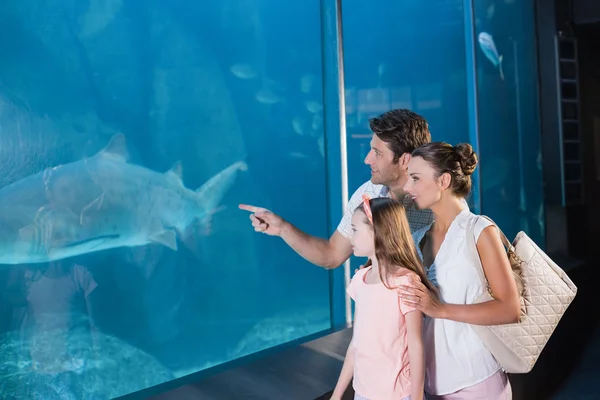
394	245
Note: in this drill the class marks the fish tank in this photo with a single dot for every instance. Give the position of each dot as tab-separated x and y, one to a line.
130	133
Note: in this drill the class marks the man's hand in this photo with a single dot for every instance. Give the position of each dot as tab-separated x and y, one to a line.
264	220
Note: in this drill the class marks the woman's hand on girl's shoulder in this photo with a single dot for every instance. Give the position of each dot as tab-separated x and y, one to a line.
405	275
415	294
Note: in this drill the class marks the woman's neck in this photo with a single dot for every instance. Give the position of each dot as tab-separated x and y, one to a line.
445	211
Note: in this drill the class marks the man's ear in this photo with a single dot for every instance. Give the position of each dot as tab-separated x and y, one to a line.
404	160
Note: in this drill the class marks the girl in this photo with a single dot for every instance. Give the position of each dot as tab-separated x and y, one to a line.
459	366
385	356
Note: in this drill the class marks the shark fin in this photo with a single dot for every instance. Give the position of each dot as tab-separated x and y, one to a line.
117	147
210	185
203	225
176	172
166	238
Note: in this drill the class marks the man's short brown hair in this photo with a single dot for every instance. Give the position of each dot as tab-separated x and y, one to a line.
403	130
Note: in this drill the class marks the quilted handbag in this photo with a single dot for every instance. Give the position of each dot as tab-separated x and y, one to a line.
546	292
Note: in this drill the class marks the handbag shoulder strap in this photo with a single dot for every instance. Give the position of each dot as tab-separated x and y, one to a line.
507	243
472	247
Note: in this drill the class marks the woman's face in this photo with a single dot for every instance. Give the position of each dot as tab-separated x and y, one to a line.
422	185
363	241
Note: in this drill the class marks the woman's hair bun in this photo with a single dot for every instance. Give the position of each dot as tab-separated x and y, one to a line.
468	158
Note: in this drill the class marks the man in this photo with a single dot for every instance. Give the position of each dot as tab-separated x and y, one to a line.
396	134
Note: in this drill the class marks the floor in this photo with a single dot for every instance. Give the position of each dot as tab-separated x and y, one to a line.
583	383
569	366
568	369
301	372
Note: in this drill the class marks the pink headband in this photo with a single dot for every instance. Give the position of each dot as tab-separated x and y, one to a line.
367	207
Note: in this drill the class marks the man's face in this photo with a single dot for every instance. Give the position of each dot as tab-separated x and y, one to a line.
381	160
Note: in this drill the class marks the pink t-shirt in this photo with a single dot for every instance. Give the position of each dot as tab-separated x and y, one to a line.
381	364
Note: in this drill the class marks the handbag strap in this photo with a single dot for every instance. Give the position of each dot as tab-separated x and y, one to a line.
507	243
472	246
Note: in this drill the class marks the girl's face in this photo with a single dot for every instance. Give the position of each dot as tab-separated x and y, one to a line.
363	240
422	185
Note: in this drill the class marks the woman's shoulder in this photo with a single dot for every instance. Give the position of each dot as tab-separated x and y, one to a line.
481	223
467	217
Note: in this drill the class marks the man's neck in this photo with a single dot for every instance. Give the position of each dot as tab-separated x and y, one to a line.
397	190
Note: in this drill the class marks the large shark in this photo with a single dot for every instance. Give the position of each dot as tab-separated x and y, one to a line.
102	202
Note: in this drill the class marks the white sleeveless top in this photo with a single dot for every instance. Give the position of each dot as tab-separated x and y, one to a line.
455	356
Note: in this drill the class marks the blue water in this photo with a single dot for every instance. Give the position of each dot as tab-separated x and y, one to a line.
509	137
409	55
120	269
203	85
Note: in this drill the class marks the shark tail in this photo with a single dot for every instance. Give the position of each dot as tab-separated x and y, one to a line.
210	195
212	191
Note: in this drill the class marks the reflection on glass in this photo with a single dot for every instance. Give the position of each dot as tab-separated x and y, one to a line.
511	176
128	135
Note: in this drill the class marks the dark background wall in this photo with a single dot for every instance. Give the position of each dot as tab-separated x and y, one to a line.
586	11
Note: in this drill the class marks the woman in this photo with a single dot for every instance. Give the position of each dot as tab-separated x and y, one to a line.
458	365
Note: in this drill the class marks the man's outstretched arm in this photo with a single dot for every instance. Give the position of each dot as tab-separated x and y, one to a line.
325	253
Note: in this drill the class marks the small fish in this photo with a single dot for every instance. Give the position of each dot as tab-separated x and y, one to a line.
243	71
381	69
486	42
321	145
266	96
317	121
298	156
491	10
313	106
297	124
306	83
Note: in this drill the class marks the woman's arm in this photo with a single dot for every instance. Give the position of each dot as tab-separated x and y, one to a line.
505	308
416	354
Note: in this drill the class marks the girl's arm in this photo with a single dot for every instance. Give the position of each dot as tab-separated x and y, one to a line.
416	354
347	370
346	374
505	308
